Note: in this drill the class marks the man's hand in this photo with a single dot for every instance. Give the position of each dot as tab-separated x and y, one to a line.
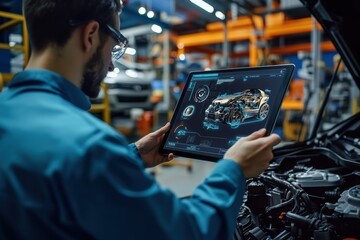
148	147
254	152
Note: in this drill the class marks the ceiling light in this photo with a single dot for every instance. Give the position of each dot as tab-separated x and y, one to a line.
130	51
156	28
150	14
142	10
204	5
220	15
182	57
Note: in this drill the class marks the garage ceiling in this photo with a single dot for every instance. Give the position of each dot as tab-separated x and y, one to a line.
183	16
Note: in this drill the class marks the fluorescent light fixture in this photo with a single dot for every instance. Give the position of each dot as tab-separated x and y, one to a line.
142	10
150	14
220	15
130	51
182	57
204	5
156	28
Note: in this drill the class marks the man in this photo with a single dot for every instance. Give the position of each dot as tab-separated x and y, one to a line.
64	174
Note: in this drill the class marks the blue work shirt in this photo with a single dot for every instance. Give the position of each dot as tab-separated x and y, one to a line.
65	174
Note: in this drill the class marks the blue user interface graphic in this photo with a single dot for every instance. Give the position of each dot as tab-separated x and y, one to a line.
217	109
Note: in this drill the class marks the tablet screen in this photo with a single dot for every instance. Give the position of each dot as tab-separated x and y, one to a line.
218	107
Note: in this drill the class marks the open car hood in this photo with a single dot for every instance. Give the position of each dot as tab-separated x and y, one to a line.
342	141
311	189
340	20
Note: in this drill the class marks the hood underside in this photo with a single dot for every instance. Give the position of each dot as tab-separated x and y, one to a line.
339	20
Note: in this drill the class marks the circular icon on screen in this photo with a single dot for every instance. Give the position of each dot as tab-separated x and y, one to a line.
180	132
188	111
201	94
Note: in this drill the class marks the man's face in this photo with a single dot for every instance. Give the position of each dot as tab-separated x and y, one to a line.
94	73
98	66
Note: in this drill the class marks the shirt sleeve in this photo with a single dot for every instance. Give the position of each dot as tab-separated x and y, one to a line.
111	196
133	147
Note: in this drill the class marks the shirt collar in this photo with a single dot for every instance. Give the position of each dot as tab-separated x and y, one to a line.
47	80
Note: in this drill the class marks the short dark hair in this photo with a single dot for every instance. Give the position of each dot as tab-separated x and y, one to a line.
48	20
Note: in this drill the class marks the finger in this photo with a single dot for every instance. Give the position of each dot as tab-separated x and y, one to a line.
167	158
273	139
258	134
270	140
162	130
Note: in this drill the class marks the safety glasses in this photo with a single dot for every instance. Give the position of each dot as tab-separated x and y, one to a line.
122	42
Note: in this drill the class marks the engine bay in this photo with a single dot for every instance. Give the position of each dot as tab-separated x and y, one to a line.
310	191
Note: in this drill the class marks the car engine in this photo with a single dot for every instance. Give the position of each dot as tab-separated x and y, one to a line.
310	191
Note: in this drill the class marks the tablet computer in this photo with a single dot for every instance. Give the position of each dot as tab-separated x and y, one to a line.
218	107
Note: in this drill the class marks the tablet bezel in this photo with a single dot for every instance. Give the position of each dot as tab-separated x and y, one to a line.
273	115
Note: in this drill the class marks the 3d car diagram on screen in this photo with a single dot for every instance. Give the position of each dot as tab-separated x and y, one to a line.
234	109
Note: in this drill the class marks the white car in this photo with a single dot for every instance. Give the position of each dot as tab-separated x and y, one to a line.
129	87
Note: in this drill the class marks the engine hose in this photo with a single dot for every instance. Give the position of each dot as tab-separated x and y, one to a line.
296	191
282	207
305	197
284	235
273	180
308	223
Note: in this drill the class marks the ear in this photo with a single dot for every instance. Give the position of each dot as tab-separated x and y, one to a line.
91	36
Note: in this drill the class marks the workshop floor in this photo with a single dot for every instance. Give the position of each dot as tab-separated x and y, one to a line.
183	175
